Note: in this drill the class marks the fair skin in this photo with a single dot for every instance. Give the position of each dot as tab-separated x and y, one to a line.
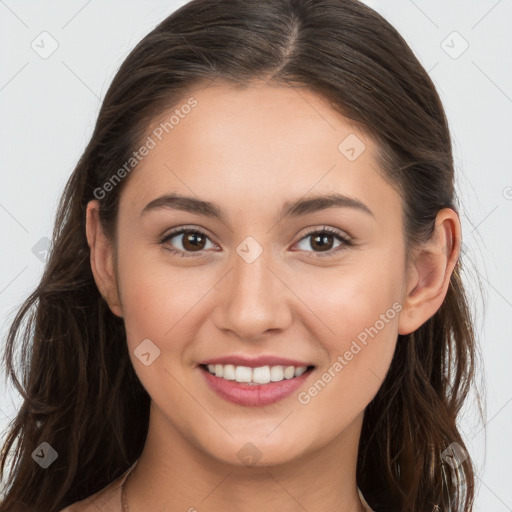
250	152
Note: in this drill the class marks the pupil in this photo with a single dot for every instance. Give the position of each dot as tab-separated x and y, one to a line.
323	239
193	241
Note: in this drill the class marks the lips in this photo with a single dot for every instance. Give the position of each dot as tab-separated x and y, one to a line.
254	381
248	394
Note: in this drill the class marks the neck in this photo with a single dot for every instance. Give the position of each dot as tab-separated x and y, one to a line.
174	475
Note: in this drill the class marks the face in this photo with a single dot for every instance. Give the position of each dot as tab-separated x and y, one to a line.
319	284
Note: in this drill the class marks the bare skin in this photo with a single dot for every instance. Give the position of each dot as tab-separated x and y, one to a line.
250	152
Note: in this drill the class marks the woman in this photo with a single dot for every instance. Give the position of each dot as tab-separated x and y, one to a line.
253	300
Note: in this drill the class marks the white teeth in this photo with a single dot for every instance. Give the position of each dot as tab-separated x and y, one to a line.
242	373
229	372
289	372
259	375
299	371
276	373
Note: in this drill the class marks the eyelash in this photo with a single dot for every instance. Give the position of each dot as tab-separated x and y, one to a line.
346	242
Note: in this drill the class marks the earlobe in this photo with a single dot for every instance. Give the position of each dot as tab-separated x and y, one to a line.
102	259
431	269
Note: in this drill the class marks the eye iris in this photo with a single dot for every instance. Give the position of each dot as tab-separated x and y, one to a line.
320	241
193	240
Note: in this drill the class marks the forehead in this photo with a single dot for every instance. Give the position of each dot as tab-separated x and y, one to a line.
268	121
257	145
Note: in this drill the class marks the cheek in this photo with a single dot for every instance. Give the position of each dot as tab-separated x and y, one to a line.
349	300
357	320
156	297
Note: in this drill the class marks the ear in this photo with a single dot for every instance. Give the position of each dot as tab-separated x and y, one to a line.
102	259
429	272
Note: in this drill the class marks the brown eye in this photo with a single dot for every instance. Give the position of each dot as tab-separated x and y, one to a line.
321	241
192	241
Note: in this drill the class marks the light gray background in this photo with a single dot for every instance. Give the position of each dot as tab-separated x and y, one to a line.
49	106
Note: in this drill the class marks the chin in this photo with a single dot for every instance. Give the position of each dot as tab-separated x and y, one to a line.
252	452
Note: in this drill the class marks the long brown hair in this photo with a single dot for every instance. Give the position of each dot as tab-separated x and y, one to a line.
80	392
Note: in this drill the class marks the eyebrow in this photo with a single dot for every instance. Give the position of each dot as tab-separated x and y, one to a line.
291	208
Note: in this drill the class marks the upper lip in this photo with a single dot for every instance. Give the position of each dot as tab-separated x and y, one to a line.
255	362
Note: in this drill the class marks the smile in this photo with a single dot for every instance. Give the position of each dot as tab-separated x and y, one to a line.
257	386
256	376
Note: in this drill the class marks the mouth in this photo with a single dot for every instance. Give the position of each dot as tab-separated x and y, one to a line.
254	386
256	376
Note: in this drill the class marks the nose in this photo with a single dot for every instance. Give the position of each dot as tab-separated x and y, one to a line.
253	298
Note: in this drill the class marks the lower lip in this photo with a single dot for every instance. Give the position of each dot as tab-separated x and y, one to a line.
253	395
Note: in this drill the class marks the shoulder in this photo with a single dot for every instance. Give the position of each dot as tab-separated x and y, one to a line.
107	499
